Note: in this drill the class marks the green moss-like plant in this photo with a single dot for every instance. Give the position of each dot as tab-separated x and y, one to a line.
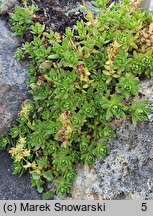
79	83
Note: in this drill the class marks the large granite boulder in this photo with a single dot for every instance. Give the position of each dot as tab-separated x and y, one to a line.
13	88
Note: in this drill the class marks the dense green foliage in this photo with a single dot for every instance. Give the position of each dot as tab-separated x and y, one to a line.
79	82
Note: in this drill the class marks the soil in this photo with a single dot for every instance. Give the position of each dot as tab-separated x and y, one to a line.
57	15
52	13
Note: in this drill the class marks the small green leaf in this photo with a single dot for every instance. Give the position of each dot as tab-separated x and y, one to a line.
35	176
48	195
48	175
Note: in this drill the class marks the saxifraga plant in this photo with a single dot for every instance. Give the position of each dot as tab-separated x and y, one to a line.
79	83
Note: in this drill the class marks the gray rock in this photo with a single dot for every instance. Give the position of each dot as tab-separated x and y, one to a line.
13	88
127	173
6	5
13	187
147	4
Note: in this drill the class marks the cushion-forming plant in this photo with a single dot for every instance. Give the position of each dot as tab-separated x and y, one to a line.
79	83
